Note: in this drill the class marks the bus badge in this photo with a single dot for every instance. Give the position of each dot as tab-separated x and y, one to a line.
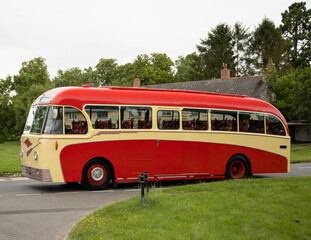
28	143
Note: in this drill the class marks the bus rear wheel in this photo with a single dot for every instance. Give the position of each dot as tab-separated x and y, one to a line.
96	175
237	167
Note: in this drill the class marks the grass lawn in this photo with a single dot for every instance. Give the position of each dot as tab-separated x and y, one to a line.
9	158
300	153
241	209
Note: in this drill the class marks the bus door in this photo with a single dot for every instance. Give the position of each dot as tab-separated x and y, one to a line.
168	143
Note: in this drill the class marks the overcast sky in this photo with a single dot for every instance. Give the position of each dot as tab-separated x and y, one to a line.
77	33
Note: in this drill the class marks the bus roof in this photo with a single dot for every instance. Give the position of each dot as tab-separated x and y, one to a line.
80	96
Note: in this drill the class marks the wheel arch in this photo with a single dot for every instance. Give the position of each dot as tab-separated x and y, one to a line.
245	157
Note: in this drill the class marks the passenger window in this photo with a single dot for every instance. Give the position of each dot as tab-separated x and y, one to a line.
224	120
194	119
136	118
274	126
54	121
168	119
75	122
103	117
251	122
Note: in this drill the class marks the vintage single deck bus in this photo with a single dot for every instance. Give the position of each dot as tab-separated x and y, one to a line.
99	136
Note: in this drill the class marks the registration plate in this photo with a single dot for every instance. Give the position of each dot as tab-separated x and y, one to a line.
28	170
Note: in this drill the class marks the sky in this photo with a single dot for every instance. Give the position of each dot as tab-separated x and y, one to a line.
78	33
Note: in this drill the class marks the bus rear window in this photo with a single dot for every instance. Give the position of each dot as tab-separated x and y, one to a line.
274	126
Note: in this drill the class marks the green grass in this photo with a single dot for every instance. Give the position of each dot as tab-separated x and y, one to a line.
9	158
241	209
300	153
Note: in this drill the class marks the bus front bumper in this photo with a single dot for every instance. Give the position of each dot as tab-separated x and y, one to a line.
42	175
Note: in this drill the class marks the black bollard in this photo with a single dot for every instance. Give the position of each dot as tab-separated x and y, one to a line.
141	179
146	181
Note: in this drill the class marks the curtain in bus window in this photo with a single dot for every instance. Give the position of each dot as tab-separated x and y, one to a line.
168	119
251	122
103	117
75	122
54	121
274	126
136	118
224	120
194	119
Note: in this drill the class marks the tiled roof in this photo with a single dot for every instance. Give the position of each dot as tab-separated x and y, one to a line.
253	86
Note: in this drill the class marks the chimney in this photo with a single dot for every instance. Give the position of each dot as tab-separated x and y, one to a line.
90	84
225	73
136	82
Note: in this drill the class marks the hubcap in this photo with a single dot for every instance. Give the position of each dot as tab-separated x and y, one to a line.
237	169
97	174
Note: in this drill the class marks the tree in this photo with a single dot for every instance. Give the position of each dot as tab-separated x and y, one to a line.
7	117
154	69
106	71
267	44
241	37
216	50
189	68
303	94
33	72
296	27
32	80
70	77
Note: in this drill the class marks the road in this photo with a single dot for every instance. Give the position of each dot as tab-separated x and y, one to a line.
34	210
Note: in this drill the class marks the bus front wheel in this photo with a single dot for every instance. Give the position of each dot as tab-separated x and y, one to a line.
96	175
237	167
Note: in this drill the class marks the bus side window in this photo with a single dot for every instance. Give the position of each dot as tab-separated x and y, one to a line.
274	126
194	119
251	122
136	118
224	120
103	117
168	119
75	122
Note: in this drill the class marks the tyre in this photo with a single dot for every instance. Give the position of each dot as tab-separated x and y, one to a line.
96	175
237	167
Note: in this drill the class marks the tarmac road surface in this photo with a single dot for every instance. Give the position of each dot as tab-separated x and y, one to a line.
34	210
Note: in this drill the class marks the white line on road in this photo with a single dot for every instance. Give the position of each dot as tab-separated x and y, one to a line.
304	167
30	194
65	192
132	190
20	179
2	180
104	191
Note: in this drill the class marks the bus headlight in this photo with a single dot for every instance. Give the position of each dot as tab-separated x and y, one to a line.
35	155
21	152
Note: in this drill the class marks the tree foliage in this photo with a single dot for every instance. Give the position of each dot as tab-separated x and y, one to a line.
296	27
217	50
267	44
189	68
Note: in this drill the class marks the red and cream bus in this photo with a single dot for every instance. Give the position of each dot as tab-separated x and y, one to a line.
99	136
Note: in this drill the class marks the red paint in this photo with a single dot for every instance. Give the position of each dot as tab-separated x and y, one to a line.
167	161
237	169
79	96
